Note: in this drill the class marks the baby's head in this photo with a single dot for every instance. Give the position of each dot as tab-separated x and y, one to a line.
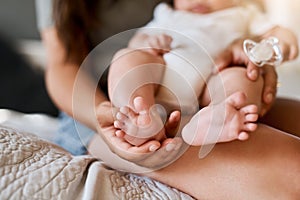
204	6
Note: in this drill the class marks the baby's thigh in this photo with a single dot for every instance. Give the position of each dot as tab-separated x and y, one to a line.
229	81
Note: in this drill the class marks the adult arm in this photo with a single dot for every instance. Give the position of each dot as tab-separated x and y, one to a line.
61	76
86	104
60	80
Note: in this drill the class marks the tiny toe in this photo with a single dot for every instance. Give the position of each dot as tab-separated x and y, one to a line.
139	104
250	109
250	126
251	117
124	110
120	133
121	117
128	112
243	136
118	124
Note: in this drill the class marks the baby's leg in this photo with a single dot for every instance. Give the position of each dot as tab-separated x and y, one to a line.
132	82
233	103
134	73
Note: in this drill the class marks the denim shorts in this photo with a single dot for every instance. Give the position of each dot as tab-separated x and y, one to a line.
72	135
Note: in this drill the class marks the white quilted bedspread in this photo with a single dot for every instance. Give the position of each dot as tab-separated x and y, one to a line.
31	168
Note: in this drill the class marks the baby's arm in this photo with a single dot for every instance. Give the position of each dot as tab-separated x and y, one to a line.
287	40
155	44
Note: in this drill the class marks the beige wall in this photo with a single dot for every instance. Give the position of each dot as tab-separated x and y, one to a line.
284	12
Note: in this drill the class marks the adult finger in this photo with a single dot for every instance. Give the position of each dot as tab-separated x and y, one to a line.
173	123
285	49
171	149
270	87
253	71
129	152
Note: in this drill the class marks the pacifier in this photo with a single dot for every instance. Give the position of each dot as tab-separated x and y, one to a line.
266	51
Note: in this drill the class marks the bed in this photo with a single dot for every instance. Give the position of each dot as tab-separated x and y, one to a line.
34	168
31	167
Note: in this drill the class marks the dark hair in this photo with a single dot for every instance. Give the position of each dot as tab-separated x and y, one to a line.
73	20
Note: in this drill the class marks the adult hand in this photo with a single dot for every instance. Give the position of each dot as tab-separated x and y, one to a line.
288	42
234	55
167	152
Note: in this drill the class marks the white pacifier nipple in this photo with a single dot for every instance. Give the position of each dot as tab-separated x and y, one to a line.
266	51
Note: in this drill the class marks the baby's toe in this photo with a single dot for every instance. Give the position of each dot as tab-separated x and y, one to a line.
250	109
119	124
128	112
140	104
243	136
120	133
121	117
124	110
251	117
250	127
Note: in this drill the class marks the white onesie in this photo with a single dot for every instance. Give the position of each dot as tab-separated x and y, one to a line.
197	40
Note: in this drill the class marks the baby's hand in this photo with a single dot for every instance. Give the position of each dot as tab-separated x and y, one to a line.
287	42
159	44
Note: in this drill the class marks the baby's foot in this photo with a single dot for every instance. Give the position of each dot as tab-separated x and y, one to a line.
140	123
235	123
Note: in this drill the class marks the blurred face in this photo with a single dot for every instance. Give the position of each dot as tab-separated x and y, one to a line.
204	6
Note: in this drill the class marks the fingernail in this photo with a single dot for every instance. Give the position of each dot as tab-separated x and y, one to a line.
269	98
153	148
170	147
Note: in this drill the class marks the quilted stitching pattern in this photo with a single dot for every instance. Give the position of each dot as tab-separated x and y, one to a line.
132	187
31	168
37	170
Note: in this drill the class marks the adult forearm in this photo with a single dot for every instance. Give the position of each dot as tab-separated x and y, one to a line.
76	95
